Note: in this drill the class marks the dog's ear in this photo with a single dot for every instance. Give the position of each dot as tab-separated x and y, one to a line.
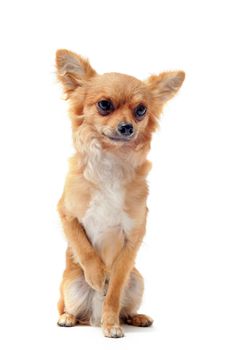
72	70
165	85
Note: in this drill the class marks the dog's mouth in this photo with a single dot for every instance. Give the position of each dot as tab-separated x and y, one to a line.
118	138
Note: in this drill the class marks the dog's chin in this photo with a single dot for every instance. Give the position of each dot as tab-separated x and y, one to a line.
117	139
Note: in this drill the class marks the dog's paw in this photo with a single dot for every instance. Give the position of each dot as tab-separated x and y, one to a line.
67	320
95	274
113	331
139	320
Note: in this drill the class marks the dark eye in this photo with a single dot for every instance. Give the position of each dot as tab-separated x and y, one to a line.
140	112
105	107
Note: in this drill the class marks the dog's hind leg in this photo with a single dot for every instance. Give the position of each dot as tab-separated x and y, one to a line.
76	297
131	301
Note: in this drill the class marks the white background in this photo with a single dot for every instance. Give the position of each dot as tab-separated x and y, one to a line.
187	256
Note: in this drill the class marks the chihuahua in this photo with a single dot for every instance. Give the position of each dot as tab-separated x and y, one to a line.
103	207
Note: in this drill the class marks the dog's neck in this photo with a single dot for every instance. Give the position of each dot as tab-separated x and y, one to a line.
105	166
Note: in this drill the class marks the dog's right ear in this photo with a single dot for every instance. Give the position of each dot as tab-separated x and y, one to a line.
72	70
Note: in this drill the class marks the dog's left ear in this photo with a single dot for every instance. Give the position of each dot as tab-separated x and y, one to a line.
165	85
72	70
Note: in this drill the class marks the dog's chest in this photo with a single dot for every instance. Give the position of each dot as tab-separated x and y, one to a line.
106	213
105	220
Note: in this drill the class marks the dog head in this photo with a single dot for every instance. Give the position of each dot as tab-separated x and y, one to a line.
117	109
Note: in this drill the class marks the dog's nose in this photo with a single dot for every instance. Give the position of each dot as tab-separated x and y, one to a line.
125	129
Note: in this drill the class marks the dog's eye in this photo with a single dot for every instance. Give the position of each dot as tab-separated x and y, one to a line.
140	112
105	107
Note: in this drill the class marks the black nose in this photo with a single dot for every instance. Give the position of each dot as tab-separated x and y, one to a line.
125	129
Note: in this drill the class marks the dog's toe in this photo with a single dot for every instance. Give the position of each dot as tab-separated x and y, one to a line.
67	320
114	331
139	320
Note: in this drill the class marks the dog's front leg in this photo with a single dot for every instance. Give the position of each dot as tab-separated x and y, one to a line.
83	252
120	272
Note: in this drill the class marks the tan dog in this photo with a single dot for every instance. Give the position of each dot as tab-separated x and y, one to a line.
103	206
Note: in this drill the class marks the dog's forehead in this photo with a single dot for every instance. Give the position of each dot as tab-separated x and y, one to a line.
118	87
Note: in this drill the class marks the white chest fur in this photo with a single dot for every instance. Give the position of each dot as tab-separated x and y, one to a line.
105	218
